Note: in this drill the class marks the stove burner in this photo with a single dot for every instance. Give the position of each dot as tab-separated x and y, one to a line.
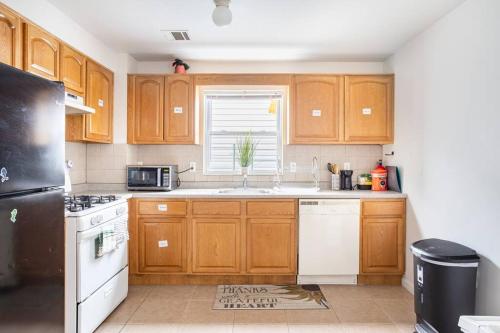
81	202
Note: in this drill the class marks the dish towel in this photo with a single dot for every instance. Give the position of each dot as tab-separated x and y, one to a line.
105	241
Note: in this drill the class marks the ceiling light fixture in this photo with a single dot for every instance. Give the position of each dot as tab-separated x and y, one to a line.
222	14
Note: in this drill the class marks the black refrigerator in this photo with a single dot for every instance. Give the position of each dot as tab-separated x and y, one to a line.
31	203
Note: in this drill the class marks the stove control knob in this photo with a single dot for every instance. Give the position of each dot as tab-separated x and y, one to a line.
96	219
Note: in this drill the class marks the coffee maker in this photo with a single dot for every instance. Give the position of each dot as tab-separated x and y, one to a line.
346	180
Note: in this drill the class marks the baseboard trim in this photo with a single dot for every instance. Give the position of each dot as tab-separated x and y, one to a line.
374	279
188	279
408	285
327	279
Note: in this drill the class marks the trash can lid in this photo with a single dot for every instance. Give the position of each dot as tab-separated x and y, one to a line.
445	251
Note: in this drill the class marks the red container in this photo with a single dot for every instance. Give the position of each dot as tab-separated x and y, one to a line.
379	178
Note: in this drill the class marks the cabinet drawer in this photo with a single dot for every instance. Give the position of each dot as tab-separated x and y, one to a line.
384	208
216	207
271	208
166	208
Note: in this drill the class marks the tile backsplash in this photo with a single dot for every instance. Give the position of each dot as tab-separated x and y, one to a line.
105	164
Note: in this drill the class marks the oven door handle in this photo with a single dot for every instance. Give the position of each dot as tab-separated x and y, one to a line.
96	231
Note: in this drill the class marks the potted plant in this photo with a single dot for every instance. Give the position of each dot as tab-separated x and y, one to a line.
180	66
246	151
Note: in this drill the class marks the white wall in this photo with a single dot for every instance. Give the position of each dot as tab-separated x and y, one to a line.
448	134
265	67
59	24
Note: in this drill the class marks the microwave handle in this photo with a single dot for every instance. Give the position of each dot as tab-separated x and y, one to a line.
158	177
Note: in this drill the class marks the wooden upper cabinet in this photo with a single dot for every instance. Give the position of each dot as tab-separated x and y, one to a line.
73	70
369	114
179	110
146	108
10	38
99	95
316	109
41	52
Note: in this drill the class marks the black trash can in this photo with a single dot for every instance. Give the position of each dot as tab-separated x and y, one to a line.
445	284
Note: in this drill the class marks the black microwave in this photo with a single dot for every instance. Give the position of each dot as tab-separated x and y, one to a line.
152	178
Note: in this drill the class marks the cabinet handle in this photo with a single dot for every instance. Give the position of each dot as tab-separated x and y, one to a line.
162	207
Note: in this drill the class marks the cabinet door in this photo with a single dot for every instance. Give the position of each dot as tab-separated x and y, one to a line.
216	245
369	109
146	109
383	245
99	95
179	111
72	70
41	53
162	245
316	116
271	246
10	37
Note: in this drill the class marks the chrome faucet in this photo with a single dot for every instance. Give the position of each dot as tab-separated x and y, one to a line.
315	172
276	178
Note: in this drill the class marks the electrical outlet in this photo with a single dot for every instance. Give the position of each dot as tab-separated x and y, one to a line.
293	167
192	165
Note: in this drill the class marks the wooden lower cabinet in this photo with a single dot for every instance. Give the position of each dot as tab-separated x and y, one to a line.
271	246
216	245
382	241
162	245
213	241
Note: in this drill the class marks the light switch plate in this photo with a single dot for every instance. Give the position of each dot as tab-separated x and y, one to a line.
192	165
293	167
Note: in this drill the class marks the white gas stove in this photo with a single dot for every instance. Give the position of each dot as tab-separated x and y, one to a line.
97	258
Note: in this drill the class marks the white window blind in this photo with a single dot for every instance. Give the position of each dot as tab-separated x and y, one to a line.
230	115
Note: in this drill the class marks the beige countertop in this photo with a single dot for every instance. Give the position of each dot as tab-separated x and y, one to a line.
259	193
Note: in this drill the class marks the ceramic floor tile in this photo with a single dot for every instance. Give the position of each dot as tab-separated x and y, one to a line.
393	292
109	328
126	309
406	328
204	292
205	328
259	316
400	311
159	310
340	291
311	316
200	311
255	328
175	292
315	328
151	328
370	328
359	311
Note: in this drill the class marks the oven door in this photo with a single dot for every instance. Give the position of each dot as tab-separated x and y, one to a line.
93	271
143	177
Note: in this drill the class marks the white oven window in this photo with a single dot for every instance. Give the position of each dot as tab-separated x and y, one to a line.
233	114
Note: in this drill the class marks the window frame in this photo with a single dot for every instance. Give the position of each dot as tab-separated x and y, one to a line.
237	91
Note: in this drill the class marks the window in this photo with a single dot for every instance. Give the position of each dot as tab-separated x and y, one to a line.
232	114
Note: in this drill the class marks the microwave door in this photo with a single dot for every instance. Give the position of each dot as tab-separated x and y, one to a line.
143	177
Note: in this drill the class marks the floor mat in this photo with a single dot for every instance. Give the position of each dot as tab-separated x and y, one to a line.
269	297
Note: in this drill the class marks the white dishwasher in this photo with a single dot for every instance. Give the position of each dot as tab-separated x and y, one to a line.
329	241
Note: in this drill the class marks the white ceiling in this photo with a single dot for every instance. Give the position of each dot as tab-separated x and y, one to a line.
314	30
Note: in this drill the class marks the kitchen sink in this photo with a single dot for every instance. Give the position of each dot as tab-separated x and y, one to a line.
241	190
